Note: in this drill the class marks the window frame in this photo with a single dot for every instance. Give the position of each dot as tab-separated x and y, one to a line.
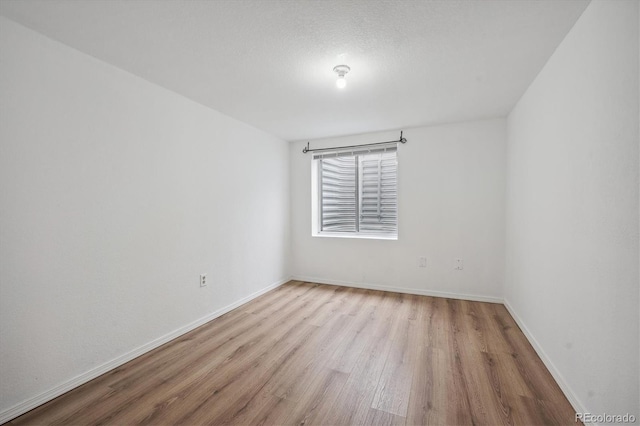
316	202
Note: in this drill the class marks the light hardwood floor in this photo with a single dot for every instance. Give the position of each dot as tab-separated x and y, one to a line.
317	354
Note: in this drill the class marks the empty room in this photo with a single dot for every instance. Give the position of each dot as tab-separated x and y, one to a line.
327	212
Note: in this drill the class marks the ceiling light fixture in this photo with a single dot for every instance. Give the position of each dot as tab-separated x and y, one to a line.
341	70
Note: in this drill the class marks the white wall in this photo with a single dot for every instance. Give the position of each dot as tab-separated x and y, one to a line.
115	195
572	210
451	193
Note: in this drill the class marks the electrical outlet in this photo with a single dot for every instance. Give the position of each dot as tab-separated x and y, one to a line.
459	265
203	280
422	262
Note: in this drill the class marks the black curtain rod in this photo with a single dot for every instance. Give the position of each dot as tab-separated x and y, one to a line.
306	148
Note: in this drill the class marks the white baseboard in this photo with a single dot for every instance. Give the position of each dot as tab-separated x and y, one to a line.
578	407
418	291
83	378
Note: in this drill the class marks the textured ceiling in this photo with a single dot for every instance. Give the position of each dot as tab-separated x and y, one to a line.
269	62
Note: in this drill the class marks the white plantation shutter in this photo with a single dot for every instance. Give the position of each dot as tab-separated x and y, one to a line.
358	190
338	186
378	194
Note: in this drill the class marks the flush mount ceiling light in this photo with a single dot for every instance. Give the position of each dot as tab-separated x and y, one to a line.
341	70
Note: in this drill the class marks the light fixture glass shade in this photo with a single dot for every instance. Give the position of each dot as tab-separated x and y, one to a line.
341	70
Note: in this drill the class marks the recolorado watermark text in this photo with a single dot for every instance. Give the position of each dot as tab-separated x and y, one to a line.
605	418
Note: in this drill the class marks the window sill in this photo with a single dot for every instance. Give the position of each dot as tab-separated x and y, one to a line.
354	236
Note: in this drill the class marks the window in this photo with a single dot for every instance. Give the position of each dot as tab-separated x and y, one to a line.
356	192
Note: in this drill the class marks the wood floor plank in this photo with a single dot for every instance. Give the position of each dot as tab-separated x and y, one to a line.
354	402
267	345
238	354
273	412
494	338
301	370
280	301
545	412
360	300
468	350
330	308
435	319
355	339
244	387
226	390
429	398
279	295
418	305
204	385
321	390
308	353
394	386
532	369
383	418
507	370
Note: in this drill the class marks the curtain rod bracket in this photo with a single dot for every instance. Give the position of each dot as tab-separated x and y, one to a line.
307	149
